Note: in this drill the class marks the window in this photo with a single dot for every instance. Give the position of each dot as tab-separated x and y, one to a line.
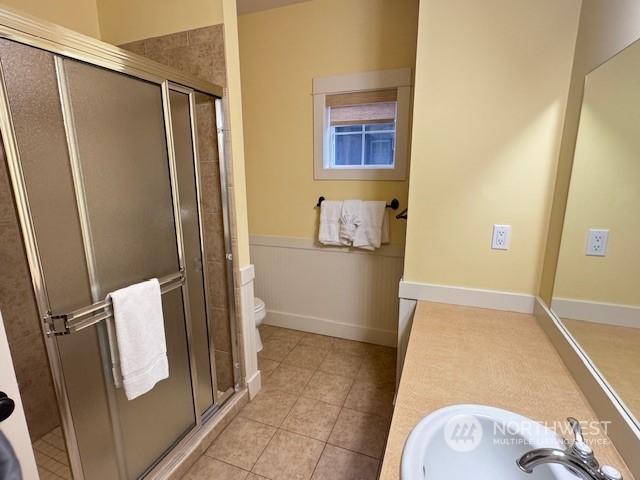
360	130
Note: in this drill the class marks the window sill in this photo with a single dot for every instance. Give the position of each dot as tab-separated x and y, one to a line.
384	174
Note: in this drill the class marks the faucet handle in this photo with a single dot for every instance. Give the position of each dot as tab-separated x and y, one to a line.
610	473
577	429
580	447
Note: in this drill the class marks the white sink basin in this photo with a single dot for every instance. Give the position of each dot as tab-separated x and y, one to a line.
465	442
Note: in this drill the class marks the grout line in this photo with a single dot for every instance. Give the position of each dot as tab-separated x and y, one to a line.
264	449
318	461
223	461
41	468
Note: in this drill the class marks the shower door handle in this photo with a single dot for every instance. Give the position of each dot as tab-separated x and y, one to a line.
6	406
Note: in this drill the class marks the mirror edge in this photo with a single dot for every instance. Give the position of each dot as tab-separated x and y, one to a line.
624	431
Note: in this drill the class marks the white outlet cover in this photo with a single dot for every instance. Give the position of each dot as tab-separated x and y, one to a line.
597	239
501	237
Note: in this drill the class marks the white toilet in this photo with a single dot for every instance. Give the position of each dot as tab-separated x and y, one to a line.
260	311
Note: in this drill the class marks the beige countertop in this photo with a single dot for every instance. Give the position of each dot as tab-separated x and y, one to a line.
472	355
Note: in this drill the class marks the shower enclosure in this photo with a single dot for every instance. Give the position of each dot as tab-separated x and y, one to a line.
118	176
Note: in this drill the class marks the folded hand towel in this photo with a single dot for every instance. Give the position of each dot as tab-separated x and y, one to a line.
350	220
329	231
140	337
374	228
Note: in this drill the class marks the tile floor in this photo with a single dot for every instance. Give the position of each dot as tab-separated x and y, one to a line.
51	456
323	413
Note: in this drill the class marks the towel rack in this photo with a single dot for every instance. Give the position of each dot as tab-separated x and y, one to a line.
66	323
394	205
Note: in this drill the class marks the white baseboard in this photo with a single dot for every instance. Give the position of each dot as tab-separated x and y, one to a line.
323	326
254	384
598	312
471	297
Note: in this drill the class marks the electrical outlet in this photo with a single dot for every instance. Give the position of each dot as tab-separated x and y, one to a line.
501	239
597	239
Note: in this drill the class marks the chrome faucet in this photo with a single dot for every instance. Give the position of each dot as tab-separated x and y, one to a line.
578	457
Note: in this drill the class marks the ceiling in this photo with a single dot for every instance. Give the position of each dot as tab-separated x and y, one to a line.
250	6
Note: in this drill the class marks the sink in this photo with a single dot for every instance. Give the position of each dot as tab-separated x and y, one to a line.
464	442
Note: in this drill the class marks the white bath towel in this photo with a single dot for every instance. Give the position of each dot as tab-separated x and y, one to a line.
140	337
329	230
350	220
374	229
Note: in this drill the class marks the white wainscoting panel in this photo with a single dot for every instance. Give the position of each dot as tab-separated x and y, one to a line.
252	374
340	292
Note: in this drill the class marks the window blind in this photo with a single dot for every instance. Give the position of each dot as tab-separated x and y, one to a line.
377	106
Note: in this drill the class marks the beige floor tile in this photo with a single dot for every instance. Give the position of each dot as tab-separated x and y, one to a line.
328	388
360	432
253	476
241	443
312	418
305	357
377	368
340	363
277	348
371	398
351	347
317	341
207	468
339	464
288	378
269	406
287	334
266	331
289	456
266	366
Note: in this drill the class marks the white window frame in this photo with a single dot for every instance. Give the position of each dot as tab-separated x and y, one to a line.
399	79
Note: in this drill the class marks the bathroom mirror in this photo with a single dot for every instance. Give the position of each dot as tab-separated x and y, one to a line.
597	288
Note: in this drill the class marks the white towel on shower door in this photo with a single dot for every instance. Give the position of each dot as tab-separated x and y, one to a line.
140	337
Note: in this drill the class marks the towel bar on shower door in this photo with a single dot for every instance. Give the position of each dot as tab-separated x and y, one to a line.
66	323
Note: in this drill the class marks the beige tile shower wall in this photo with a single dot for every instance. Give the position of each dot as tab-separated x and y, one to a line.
200	53
21	319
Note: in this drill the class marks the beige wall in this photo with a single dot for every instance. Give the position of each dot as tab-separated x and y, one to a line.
491	84
235	135
281	51
123	21
606	27
78	15
604	189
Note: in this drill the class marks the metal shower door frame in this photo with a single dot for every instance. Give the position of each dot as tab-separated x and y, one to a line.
65	43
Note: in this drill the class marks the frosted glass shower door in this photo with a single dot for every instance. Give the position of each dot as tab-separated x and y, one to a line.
193	249
125	180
